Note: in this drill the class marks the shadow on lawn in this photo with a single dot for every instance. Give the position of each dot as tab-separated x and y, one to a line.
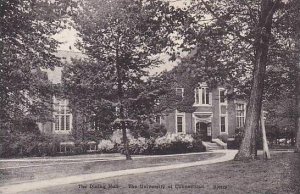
295	178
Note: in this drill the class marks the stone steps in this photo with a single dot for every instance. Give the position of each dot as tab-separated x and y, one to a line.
212	146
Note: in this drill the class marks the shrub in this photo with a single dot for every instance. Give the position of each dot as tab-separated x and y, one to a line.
197	143
223	137
19	144
238	138
177	143
106	146
148	131
117	136
168	144
157	130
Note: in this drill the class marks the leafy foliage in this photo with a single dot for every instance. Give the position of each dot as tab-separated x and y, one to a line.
121	39
27	46
224	45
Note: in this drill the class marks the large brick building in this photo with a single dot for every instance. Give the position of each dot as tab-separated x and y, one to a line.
214	115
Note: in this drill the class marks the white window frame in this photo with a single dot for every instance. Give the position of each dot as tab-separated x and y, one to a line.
180	114
239	117
199	93
196	119
226	124
62	104
182	91
225	99
158	116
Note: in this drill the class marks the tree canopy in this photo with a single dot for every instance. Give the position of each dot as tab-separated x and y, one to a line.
27	46
250	46
122	40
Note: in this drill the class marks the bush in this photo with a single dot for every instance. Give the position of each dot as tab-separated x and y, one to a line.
197	143
177	143
31	144
238	138
168	144
223	137
106	146
232	144
19	144
157	130
148	131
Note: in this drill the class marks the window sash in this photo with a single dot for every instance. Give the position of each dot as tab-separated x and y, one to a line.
222	96
240	115
62	116
205	96
223	124
56	127
197	96
202	96
179	124
179	92
62	122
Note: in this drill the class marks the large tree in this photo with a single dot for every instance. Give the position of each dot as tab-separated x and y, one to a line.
245	43
122	38
27	46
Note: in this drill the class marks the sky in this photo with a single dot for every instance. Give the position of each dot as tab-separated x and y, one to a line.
69	36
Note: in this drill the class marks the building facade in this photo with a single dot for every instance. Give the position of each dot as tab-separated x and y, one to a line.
214	117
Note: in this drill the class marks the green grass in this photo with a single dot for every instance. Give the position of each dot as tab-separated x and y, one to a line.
279	175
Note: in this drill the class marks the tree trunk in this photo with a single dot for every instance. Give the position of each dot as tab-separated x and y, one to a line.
266	152
125	139
297	89
297	146
248	146
122	115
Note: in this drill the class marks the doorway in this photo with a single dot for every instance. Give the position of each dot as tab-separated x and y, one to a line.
204	130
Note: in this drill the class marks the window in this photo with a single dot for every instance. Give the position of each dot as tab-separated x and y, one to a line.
240	115
223	124
205	96
202	96
180	122
222	96
62	116
197	97
158	119
179	92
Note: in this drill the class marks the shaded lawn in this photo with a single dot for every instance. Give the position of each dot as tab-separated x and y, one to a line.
15	162
11	176
279	175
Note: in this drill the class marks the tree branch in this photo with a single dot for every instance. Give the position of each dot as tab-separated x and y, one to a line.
225	23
